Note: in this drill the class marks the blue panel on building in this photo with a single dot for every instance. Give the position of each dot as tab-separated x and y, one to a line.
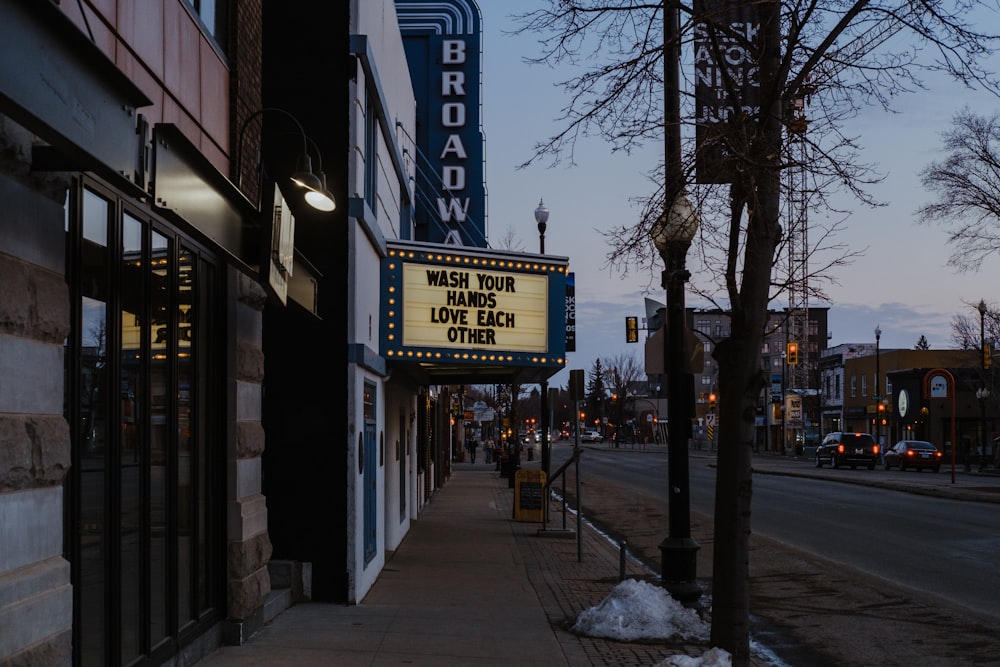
443	46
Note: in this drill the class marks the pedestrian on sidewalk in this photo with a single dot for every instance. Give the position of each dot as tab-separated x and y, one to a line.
488	451
470	444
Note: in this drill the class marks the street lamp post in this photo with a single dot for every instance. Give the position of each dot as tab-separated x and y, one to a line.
542	218
982	393
672	235
878	400
784	387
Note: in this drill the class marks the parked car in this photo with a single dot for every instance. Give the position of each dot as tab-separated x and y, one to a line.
851	449
591	435
913	454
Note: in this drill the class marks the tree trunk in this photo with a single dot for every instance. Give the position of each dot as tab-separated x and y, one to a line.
741	381
741	378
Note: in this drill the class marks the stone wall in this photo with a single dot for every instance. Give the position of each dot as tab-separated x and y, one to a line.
249	547
35	593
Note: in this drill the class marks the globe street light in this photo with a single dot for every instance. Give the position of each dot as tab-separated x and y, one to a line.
541	217
672	234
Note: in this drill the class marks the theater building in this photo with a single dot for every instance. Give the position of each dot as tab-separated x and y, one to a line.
226	345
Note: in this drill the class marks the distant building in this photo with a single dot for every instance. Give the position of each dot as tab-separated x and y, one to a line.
709	327
831	382
911	410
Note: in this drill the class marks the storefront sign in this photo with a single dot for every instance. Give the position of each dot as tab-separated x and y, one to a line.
571	312
793	409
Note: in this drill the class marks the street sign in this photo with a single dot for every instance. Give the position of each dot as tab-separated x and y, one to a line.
576	392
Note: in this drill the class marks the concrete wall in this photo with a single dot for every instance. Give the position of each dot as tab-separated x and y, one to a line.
368	227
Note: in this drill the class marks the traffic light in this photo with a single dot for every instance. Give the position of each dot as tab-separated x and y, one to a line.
792	353
631	329
711	400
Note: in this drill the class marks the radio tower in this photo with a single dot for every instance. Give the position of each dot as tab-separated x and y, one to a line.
798	243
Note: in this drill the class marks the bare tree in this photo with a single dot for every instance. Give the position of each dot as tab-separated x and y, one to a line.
967	185
838	55
965	329
621	372
510	241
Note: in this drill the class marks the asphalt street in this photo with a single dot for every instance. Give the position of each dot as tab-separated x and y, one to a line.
807	607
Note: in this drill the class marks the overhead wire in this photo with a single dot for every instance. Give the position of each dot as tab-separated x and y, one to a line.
429	200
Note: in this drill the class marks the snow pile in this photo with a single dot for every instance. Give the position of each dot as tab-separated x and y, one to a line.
715	657
639	610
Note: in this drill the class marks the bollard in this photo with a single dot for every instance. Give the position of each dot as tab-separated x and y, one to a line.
621	559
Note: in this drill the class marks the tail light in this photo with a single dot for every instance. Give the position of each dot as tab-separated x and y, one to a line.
910	452
937	454
840	449
875	449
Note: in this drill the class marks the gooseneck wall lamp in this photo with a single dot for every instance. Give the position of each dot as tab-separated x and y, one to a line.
317	195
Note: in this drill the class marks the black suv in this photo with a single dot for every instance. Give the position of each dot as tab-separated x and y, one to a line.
852	449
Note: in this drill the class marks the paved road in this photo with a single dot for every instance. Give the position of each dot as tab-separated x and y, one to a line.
814	608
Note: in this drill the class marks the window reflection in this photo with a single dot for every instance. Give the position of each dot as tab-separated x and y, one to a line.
159	387
92	427
131	398
185	325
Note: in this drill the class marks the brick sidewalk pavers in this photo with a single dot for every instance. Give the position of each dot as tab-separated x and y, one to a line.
567	586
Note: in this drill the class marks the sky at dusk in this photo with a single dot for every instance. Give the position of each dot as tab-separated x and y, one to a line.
900	283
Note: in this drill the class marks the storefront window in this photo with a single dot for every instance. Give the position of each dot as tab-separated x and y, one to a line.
144	536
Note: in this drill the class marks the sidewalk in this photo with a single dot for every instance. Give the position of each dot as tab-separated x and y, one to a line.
969	485
468	586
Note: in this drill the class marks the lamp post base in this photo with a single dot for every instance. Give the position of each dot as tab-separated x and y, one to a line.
678	572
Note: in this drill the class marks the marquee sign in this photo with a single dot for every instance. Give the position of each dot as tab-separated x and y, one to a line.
466	307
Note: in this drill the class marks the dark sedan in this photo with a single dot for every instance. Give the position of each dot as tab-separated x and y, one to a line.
915	454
